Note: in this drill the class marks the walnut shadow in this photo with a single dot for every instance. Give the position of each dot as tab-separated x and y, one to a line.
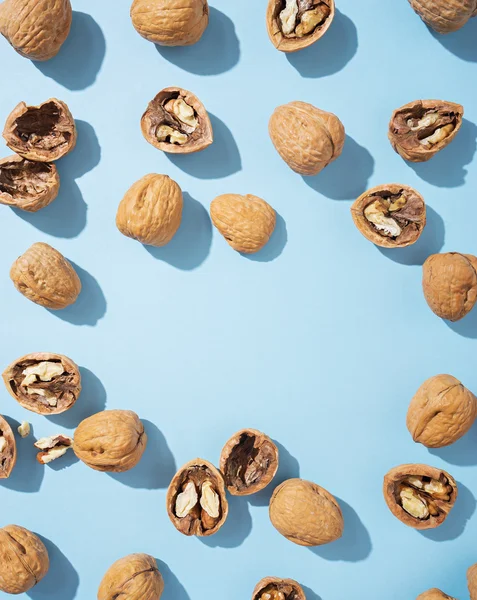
216	52
173	588
462	452
64	462
236	528
310	594
466	327
462	42
331	53
276	244
61	582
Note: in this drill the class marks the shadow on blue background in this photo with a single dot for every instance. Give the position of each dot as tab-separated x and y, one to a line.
217	51
236	528
173	588
463	452
61	582
65	461
79	61
462	42
466	327
310	594
276	243
329	54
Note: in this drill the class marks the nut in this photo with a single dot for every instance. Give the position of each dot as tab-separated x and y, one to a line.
246	222
434	594
445	16
274	588
449	282
249	462
27	185
196	499
23	559
24	429
296	24
8	452
390	215
37	29
421	129
472	581
305	513
170	22
45	383
52	448
151	210
420	496
441	412
307	138
45	277
111	440
43	133
135	577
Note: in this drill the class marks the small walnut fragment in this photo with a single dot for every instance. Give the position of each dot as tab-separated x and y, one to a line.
472	581
445	16
24	429
8	449
52	448
274	588
134	577
434	594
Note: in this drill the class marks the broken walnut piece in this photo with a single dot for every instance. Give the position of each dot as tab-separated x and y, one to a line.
135	576
275	588
24	429
8	449
445	16
434	594
52	447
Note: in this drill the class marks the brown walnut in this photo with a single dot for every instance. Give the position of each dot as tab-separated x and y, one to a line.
274	588
52	447
134	577
434	594
472	581
445	16
8	450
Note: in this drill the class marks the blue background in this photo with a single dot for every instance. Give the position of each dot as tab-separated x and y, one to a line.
320	340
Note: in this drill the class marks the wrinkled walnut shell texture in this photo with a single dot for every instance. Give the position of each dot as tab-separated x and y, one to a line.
290	588
445	16
27	185
434	594
472	581
134	577
8	456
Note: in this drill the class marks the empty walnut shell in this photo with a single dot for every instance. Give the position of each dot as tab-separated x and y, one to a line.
134	577
307	138
441	412
391	215
445	16
421	129
43	133
296	25
8	451
305	513
197	500
274	588
418	495
111	440
434	594
43	382
44	276
248	462
472	581
449	282
23	559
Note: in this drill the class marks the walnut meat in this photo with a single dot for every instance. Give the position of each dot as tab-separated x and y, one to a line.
434	594
134	577
23	559
307	138
445	16
441	412
248	462
421	129
151	210
8	450
45	277
305	513
111	440
420	496
52	447
472	581
449	282
196	499
176	121
274	588
42	133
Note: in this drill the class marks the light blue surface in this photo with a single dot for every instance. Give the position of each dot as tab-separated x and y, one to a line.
320	341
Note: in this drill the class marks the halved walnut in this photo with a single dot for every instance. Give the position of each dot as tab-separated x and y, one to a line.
274	588
8	449
52	447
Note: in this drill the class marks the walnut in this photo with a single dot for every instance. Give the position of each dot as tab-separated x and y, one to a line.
24	429
274	588
472	581
134	577
445	16
52	447
434	594
8	450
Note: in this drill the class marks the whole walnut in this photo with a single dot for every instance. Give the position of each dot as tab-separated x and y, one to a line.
23	559
441	412
305	513
307	138
445	16
434	594
134	577
111	440
449	282
472	581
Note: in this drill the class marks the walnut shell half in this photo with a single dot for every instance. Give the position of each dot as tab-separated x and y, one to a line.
445	16
472	581
134	577
8	449
274	588
434	594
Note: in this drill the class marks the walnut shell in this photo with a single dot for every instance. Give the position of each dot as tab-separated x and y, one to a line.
472	581
151	210
292	42
434	594
134	577
23	559
192	132
420	129
274	586
248	462
398	477
246	222
37	29
449	282
445	16
8	451
441	412
305	513
43	133
49	392
197	520
44	276
170	22
307	138
111	440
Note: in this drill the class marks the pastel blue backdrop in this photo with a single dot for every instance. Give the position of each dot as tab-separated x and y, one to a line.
320	340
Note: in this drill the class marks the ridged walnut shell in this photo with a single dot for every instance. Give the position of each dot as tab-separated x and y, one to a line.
170	22
472	581
434	594
151	210
43	133
274	586
305	513
134	577
248	462
111	440
8	453
36	29
23	559
307	138
246	222
441	412
449	282
445	16
65	387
